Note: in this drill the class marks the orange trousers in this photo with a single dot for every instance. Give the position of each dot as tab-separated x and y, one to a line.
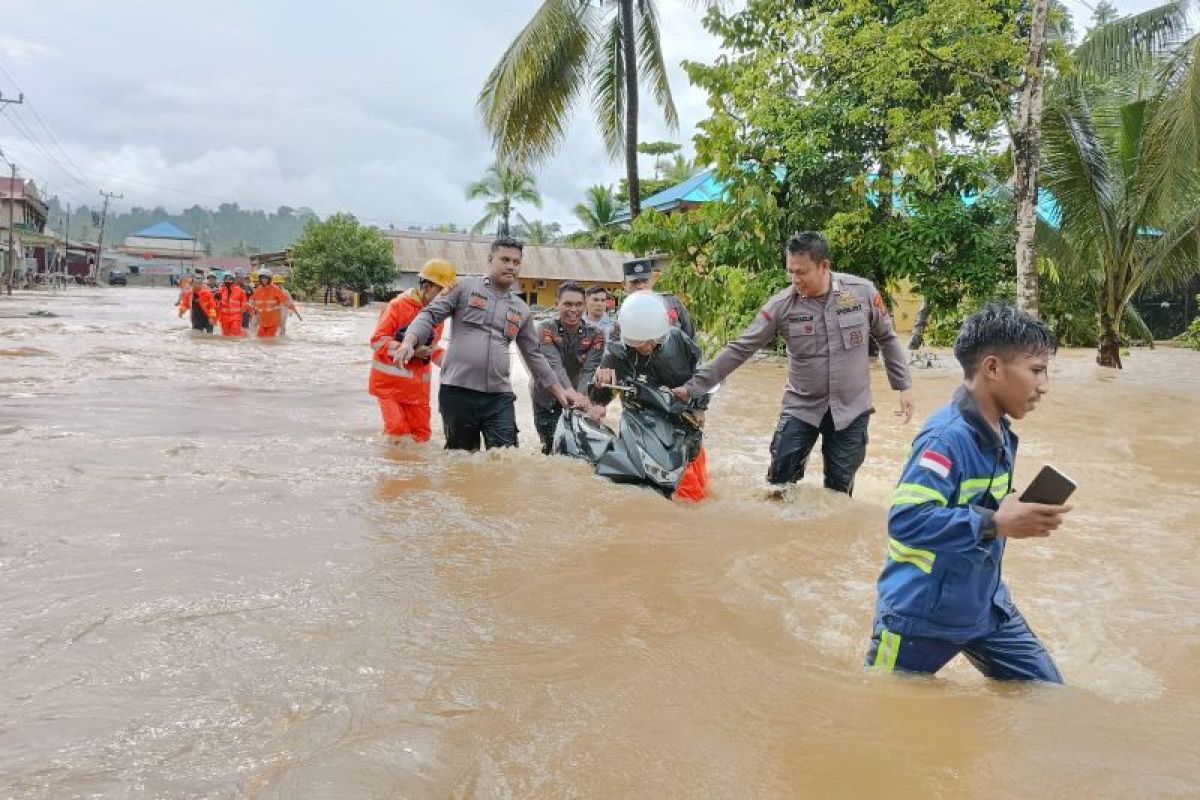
405	419
268	331
693	487
231	325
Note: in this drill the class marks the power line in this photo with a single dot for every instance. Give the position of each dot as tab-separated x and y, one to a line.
23	129
38	117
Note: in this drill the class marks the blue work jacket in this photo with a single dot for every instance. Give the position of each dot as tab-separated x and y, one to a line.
942	575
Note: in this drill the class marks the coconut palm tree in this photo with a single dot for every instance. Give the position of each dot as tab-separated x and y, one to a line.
607	48
534	231
598	215
679	169
503	186
1124	223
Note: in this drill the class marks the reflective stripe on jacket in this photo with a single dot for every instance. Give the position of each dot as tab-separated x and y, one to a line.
232	300
405	383
941	579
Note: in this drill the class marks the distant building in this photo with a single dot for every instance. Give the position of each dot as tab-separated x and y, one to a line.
543	267
161	249
22	221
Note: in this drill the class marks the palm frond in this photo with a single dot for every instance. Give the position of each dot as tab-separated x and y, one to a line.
1130	40
1171	157
608	87
526	100
1136	326
653	70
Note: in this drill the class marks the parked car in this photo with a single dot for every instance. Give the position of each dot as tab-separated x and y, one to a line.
118	279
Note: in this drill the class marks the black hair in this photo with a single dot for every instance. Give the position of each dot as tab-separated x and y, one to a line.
810	242
423	282
595	290
507	241
1004	330
569	286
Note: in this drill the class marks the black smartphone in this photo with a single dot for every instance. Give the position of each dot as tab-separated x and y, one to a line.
1049	487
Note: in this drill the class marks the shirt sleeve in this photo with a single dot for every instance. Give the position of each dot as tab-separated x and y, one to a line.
760	334
435	314
614	358
685	318
530	348
385	330
591	362
692	353
924	511
889	343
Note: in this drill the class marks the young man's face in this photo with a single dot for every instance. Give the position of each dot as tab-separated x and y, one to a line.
634	285
505	263
644	348
809	278
1021	380
597	304
570	308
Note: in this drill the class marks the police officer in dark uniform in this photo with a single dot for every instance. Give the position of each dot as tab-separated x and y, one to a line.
641	277
573	349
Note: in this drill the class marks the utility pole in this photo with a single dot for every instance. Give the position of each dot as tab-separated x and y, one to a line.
100	241
66	247
12	205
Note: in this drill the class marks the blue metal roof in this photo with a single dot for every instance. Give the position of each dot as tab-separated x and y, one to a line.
164	230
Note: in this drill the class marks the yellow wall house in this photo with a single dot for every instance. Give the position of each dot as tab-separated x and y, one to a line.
543	268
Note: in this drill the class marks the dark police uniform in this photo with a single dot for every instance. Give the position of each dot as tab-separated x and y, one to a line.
574	356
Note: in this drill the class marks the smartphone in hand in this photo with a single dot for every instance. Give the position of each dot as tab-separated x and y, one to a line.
1050	487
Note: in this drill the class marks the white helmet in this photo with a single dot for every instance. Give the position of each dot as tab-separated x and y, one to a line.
263	272
643	318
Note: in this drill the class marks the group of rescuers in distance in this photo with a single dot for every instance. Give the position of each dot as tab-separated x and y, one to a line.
940	592
234	306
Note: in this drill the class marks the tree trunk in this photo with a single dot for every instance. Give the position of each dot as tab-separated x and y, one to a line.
629	45
919	325
1109	353
504	228
1026	151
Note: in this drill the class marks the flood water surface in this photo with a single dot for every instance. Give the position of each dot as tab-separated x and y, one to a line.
218	580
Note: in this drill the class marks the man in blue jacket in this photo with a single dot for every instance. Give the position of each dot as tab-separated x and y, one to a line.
941	592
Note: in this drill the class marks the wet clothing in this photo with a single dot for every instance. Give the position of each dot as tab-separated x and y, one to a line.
202	306
829	378
941	589
232	303
487	320
843	451
270	302
468	415
574	356
669	364
402	390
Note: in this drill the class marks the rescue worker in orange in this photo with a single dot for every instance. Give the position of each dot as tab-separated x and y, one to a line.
231	304
270	303
200	302
403	389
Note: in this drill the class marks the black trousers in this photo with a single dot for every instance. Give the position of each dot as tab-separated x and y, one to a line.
468	414
843	450
546	421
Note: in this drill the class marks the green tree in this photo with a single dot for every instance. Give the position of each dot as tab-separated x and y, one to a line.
1123	220
610	47
535	231
658	150
598	215
503	187
679	169
341	254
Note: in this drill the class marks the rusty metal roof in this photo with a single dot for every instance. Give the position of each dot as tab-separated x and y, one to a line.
469	255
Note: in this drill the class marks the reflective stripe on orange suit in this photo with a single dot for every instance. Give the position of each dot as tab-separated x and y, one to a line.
231	302
403	390
207	303
693	486
268	301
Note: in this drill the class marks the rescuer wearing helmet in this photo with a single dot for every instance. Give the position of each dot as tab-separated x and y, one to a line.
651	347
231	304
403	389
269	303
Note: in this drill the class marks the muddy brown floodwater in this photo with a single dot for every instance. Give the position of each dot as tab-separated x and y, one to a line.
216	580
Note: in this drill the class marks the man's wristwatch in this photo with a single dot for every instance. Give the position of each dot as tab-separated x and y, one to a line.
987	524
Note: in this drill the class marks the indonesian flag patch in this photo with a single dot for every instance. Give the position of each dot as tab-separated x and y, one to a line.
936	462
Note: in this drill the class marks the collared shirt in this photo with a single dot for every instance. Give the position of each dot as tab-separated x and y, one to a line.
604	324
573	355
669	364
828	366
486	321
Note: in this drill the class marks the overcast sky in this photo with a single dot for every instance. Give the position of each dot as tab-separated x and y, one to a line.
367	107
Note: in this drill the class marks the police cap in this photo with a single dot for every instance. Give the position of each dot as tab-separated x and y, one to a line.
638	268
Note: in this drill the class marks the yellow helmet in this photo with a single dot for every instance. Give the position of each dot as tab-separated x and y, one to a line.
439	271
277	279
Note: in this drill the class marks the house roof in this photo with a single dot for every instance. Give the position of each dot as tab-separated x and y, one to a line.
703	187
469	255
164	230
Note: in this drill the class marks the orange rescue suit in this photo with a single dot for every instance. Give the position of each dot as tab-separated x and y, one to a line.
231	303
207	304
271	303
402	390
